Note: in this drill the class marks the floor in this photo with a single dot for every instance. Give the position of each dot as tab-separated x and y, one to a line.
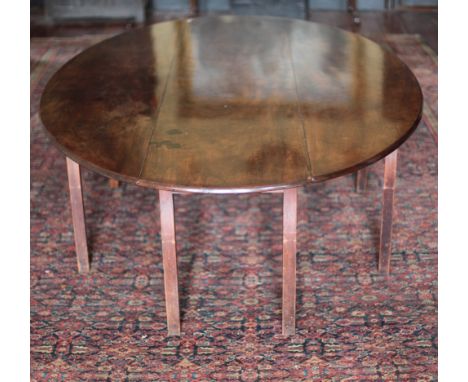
353	323
374	24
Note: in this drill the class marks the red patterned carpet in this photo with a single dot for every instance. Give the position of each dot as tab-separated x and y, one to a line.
352	323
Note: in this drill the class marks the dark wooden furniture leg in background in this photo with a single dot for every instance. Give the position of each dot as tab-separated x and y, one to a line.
78	216
194	8
352	8
289	260
171	290
361	180
385	250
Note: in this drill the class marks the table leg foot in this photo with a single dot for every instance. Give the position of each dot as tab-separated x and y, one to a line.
78	216
361	180
385	249
166	208
113	183
289	261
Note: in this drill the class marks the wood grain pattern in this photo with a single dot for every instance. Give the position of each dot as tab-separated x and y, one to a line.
385	250
231	104
289	260
78	216
171	289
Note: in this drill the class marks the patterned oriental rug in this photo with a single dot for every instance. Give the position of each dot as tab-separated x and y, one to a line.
352	323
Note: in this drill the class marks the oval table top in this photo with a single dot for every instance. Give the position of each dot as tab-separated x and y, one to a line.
231	104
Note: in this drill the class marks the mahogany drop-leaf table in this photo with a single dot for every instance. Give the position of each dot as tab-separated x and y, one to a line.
229	104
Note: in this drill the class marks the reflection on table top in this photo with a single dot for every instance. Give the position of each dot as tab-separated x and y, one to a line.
230	103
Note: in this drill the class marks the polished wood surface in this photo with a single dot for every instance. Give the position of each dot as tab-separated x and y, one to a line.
171	288
78	215
289	261
231	104
390	174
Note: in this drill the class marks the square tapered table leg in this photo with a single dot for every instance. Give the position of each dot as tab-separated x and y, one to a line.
166	208
385	250
289	260
78	216
361	180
